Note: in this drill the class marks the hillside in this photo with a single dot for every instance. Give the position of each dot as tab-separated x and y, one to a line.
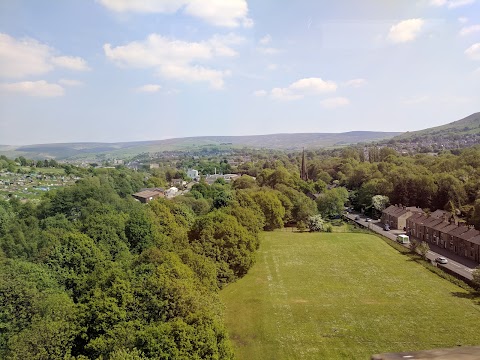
469	125
127	149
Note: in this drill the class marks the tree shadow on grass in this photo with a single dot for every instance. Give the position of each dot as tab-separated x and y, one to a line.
472	295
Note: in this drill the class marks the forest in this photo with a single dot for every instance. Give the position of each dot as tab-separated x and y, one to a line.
87	272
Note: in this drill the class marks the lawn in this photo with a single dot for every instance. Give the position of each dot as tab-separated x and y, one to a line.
342	296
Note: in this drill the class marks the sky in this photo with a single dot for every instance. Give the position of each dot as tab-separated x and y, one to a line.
133	70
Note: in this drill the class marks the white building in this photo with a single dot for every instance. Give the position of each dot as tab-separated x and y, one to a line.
193	174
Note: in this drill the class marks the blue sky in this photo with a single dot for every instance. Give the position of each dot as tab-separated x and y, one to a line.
129	70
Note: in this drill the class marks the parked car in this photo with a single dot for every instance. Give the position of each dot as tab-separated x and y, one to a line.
368	219
441	260
357	217
386	227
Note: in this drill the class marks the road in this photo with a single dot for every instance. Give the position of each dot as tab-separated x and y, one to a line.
462	267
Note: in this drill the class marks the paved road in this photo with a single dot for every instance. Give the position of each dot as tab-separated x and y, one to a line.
457	264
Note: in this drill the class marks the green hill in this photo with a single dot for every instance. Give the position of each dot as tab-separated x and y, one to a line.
130	149
469	125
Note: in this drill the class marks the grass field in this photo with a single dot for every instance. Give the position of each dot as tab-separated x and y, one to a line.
342	296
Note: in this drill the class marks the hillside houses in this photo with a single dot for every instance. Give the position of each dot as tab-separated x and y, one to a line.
439	228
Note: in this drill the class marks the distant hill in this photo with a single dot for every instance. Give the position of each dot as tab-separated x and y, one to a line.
128	149
464	127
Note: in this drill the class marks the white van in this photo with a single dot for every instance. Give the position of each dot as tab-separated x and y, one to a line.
403	239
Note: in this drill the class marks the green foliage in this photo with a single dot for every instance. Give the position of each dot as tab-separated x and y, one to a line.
332	202
271	207
316	223
244	182
221	238
380	202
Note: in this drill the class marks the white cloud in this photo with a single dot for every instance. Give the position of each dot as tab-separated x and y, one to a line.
458	3
356	83
467	30
284	94
313	86
260	93
70	62
268	50
226	13
265	40
462	20
34	88
406	30
451	4
26	57
303	87
195	73
149	88
477	72
70	82
20	58
473	52
176	58
336	102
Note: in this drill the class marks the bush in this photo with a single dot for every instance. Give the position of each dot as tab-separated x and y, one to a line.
316	223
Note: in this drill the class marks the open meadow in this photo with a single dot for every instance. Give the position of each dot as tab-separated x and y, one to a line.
342	296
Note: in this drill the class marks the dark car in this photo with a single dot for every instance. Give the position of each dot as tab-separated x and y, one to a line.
386	227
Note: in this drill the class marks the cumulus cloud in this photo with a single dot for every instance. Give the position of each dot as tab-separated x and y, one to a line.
313	86
462	20
336	102
70	82
406	30
231	13
176	59
71	63
473	52
149	88
355	83
451	4
467	30
20	58
39	88
260	93
284	94
303	87
268	50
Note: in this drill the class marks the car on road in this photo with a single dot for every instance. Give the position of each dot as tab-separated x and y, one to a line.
386	227
368	219
357	217
441	260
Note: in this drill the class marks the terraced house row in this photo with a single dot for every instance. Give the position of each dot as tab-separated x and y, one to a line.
439	228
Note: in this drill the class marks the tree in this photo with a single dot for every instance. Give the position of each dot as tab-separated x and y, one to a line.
423	249
380	202
220	237
272	208
316	223
476	277
332	202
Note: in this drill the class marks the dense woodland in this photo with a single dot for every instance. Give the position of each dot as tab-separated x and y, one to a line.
89	273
